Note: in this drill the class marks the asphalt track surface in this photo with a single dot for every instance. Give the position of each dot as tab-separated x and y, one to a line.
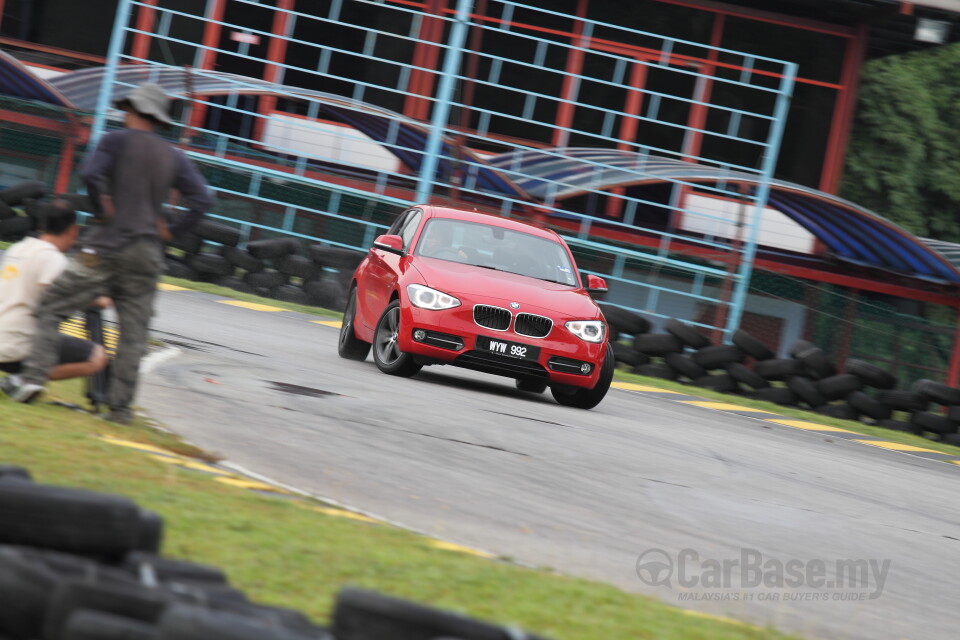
466	458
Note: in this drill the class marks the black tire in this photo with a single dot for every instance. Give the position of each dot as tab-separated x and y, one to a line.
66	519
22	190
177	269
623	321
628	355
25	588
6	211
150	532
656	370
954	413
806	390
841	411
718	356
349	346
684	365
217	232
721	382
132	601
336	257
273	248
265	279
657	344
896	425
839	386
299	267
752	346
365	615
687	334
96	625
936	391
744	374
211	263
778	395
903	400
233	282
871	374
171	570
386	352
589	398
189	243
869	406
68	566
815	363
241	259
14	471
799	346
79	201
778	368
16	228
190	622
289	293
328	294
933	423
531	385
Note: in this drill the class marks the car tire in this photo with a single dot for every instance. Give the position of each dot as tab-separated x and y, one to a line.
839	386
720	382
19	192
656	370
589	398
217	232
841	411
752	346
14	471
684	365
349	346
815	363
778	368
386	352
933	423
623	321
628	355
746	375
936	391
532	385
903	400
241	259
657	344
777	395
85	624
718	356
687	334
871	374
869	406
806	390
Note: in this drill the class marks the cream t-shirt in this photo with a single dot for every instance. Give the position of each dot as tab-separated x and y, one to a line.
27	267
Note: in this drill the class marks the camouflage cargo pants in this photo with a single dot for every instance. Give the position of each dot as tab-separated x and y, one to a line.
130	278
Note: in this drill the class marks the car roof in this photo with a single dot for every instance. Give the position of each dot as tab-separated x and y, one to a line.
489	219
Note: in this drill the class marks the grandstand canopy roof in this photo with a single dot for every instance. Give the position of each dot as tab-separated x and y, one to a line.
850	232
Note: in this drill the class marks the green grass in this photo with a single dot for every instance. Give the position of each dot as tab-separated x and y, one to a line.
285	555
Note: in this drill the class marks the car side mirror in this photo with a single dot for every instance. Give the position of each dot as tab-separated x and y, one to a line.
390	244
596	284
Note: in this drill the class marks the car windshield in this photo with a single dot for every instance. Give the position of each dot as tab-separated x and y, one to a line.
497	248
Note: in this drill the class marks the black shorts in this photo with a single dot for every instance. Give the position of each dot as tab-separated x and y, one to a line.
71	350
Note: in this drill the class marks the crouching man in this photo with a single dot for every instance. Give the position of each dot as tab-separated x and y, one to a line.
26	270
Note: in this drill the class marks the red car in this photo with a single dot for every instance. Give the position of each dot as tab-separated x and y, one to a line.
473	290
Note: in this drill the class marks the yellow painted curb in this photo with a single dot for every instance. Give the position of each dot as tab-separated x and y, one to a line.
138	445
340	513
722	406
187	463
163	286
336	324
250	305
249	484
629	386
809	426
449	546
897	446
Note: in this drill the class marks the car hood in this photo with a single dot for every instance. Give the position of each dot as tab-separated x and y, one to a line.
476	284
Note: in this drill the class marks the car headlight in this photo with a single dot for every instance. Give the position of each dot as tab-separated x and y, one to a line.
588	330
427	298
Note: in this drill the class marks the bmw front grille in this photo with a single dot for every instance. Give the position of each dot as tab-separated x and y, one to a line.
496	318
532	326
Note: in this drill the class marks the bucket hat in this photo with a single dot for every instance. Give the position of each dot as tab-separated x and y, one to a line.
149	99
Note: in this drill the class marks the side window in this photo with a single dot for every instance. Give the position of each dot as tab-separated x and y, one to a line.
410	227
394	229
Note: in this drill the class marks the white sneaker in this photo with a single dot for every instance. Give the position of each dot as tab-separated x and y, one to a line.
20	391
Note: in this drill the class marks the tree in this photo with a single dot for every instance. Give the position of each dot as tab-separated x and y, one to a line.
903	161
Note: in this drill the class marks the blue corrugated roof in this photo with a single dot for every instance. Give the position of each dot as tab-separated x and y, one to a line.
17	81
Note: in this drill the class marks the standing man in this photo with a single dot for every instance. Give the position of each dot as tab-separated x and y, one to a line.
27	269
129	177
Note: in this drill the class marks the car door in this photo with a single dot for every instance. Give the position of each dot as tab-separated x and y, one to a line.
383	270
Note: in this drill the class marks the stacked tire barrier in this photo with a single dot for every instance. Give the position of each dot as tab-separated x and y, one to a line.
277	268
17	207
806	379
84	565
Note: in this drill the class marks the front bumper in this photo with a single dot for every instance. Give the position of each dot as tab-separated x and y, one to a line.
451	337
